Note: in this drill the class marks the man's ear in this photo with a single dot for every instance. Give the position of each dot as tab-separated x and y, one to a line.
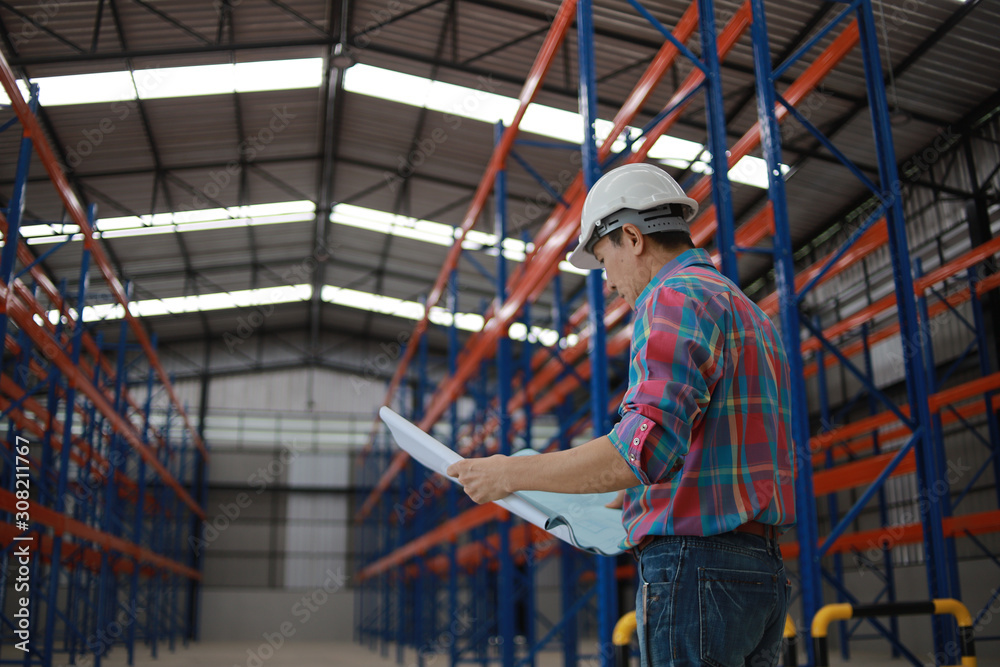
633	239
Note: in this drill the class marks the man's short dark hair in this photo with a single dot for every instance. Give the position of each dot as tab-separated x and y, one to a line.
673	241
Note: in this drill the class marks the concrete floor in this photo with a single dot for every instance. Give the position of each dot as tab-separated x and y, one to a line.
340	654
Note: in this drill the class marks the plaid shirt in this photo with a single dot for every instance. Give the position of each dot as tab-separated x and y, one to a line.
706	420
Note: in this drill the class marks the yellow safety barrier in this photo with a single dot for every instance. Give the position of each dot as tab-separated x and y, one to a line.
621	637
842	612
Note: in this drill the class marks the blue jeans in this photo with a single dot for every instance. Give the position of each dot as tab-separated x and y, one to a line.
717	601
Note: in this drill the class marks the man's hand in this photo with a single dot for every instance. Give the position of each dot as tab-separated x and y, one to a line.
485	479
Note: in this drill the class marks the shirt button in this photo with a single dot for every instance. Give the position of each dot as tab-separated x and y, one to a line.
643	427
636	441
631	457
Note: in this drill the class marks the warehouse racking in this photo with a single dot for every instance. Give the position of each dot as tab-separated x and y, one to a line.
114	470
479	567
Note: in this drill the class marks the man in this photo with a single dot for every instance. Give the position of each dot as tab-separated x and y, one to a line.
704	444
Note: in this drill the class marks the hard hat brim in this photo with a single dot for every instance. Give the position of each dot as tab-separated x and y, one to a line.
582	259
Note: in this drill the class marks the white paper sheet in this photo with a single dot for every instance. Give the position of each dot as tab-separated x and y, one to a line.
437	457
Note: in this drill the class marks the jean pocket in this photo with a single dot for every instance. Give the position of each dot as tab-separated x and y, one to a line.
656	624
734	610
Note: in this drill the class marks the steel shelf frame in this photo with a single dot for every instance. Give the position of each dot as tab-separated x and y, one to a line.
921	419
116	487
550	244
475	563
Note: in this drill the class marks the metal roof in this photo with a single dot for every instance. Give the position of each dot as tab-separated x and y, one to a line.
165	155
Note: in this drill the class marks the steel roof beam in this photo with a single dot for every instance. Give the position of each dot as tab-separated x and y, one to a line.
171	20
331	117
402	182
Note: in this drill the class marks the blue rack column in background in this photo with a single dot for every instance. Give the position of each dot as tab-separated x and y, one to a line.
936	553
504	369
607	583
809	566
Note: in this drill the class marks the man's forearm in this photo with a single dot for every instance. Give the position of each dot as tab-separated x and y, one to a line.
594	467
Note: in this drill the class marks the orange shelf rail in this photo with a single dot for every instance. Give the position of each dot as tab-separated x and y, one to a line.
32	129
24	317
865	444
62	524
937	401
75	554
912	533
128	488
26	258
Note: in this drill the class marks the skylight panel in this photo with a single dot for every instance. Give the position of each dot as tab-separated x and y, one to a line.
546	121
475	104
387	85
278	75
189	81
413	310
672	148
176	82
197	303
56	91
554	123
341	296
182	221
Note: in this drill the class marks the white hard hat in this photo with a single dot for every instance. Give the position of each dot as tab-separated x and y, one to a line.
621	196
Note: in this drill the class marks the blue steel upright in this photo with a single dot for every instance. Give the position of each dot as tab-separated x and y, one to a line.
784	265
716	117
64	456
607	585
935	551
14	213
506	584
452	492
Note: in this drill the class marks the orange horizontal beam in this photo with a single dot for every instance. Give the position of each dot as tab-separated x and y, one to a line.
873	239
892	536
127	490
859	473
955	299
936	401
446	532
73	553
952	268
62	524
26	258
967	260
23	316
865	444
468	557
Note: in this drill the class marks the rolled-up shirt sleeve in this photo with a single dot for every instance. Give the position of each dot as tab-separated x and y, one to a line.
676	360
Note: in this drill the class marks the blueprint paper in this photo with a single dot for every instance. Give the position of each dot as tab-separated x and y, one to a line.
579	519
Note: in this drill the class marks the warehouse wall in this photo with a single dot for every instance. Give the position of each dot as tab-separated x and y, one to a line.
276	547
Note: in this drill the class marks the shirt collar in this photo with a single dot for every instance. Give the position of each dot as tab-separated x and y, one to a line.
693	257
